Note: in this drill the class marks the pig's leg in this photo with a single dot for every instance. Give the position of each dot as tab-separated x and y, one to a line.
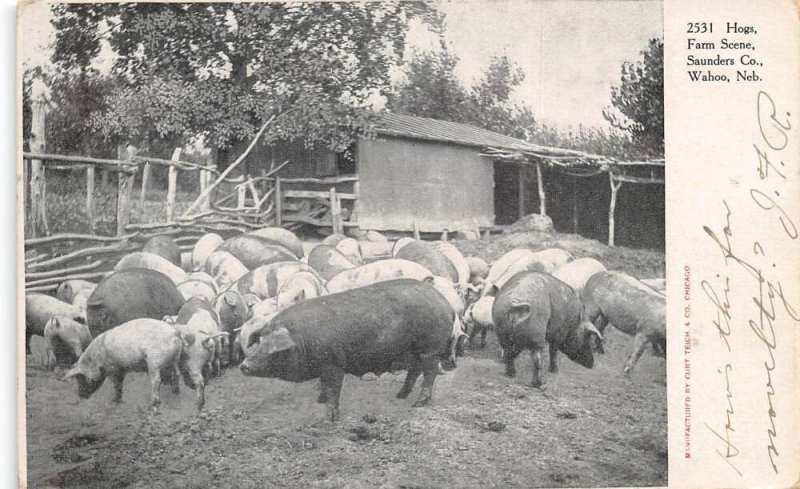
429	363
553	366
484	329
155	384
175	378
200	387
536	366
510	354
217	362
640	342
601	323
117	378
28	335
414	370
332	378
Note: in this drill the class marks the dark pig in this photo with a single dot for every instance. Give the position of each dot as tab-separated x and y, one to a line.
358	331
429	257
254	251
130	294
535	308
283	237
165	247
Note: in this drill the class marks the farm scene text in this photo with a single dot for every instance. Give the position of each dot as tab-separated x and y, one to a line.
316	244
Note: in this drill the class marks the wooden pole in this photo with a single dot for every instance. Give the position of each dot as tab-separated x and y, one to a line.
611	206
233	165
90	196
145	181
278	206
356	190
104	181
521	175
540	187
241	195
124	191
335	215
38	185
575	205
172	185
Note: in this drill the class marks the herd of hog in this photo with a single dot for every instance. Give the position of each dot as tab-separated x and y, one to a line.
257	300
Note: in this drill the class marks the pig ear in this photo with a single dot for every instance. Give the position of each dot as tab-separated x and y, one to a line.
56	322
230	298
491	290
170	319
519	312
279	340
428	279
208	343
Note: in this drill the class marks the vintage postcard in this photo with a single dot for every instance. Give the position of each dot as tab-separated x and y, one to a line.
395	244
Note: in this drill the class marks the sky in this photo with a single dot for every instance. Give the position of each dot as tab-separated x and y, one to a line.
570	51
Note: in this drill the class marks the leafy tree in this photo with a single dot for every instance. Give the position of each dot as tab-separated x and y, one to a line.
638	101
431	88
223	69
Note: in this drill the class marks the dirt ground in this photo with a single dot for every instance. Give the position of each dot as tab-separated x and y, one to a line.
587	428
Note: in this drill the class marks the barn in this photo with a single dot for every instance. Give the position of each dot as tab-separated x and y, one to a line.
415	173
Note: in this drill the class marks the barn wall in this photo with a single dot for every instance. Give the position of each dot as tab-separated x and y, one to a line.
437	185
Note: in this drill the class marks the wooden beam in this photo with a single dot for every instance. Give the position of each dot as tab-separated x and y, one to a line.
611	206
278	203
145	182
172	185
521	192
90	196
336	216
230	168
38	184
110	165
124	191
540	187
321	181
310	194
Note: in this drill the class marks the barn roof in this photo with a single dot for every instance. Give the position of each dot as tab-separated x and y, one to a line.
500	147
413	127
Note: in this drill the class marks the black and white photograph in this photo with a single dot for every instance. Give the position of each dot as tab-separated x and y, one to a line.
385	244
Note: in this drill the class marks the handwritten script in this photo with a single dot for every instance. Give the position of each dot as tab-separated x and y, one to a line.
748	265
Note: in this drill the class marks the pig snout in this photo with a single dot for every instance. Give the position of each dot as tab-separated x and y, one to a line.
245	368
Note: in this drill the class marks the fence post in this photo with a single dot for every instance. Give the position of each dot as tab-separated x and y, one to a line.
540	187
38	185
90	196
145	181
278	203
611	206
172	185
124	189
521	191
336	217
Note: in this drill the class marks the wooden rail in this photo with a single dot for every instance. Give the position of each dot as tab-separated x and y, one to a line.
125	166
